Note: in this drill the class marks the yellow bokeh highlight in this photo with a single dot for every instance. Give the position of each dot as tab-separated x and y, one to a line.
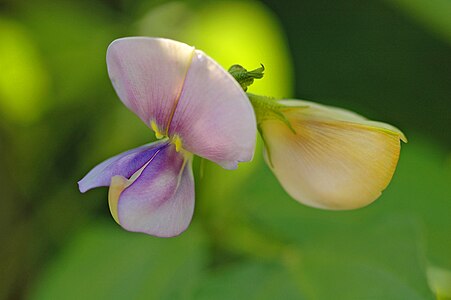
245	33
231	32
23	79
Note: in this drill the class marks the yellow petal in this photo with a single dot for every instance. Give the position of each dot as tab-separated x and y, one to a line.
118	184
320	112
335	160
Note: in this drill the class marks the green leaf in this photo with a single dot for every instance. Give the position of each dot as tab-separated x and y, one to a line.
360	252
104	262
420	188
250	280
378	260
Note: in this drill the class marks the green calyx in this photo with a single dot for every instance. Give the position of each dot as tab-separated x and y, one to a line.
244	77
267	108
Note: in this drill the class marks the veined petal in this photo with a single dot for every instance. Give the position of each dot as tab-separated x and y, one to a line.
324	113
124	164
335	160
148	75
214	117
160	201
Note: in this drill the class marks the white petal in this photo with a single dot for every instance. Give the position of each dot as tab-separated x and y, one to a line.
214	117
148	75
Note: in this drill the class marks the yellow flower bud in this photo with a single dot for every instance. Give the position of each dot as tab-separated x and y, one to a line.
328	157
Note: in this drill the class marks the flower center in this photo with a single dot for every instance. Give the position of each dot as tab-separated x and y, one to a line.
176	140
158	134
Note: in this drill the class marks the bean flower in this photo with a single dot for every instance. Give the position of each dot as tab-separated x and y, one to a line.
327	157
194	107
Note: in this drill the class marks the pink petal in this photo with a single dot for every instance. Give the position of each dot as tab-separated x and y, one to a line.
160	201
124	164
148	75
214	117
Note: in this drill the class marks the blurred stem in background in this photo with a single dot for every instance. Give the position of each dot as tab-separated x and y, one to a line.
433	14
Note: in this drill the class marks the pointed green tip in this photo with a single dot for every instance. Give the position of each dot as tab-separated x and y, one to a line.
244	77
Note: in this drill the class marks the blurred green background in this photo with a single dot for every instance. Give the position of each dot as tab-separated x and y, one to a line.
389	60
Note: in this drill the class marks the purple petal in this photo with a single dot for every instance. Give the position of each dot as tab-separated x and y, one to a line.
214	117
124	164
160	201
148	75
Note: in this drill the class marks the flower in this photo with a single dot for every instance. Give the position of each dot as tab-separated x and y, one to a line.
195	107
327	157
